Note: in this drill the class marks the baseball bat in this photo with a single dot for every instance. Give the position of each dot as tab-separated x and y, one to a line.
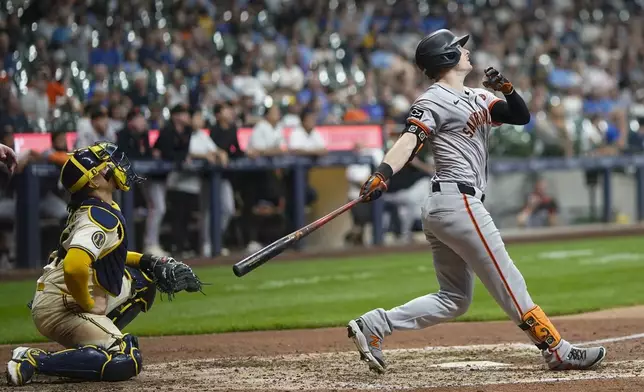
263	255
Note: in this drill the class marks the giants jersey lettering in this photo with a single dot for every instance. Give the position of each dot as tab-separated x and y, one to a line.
458	125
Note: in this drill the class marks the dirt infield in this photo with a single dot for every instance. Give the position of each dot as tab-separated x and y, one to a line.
473	357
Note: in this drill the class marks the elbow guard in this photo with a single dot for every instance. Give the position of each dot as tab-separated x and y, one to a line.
421	137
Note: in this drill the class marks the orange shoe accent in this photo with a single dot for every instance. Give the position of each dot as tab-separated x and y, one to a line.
489	253
375	341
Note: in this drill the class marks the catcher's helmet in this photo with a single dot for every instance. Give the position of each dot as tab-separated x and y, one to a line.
86	163
438	51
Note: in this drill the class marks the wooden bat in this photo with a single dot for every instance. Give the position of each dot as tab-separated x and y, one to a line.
268	252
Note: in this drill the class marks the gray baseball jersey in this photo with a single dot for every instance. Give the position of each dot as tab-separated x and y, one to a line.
458	125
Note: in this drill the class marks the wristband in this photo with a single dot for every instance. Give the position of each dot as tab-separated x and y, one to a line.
385	170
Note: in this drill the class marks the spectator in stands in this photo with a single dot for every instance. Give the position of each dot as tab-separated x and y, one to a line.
314	94
555	132
246	112
268	137
156	120
58	153
173	145
268	76
117	112
290	74
292	117
13	120
192	190
134	138
106	54
35	102
224	132
56	91
355	113
131	64
139	93
408	189
96	129
177	91
100	80
264	201
357	174
305	139
540	209
247	84
134	141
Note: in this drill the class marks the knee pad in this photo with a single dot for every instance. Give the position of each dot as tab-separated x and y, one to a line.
143	294
540	329
92	363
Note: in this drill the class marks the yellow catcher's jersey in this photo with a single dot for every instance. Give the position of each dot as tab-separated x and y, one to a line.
98	228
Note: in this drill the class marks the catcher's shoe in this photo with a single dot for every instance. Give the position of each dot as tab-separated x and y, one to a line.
576	359
21	367
368	343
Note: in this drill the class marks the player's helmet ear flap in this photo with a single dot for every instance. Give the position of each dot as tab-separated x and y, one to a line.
85	164
438	51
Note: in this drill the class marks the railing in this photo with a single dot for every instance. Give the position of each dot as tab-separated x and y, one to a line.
28	222
28	233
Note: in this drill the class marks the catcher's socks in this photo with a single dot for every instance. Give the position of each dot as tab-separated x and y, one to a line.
575	358
21	368
368	343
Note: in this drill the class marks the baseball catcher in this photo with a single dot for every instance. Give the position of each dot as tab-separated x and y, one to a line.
93	286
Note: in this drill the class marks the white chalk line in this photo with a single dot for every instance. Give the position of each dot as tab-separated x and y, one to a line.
612	340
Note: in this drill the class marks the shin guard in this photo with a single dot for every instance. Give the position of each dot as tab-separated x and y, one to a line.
91	363
540	329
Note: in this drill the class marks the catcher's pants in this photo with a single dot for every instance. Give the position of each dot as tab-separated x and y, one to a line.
55	320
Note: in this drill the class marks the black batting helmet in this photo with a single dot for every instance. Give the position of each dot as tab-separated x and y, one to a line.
438	51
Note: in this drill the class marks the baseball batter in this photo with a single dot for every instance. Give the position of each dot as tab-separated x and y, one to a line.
456	121
93	286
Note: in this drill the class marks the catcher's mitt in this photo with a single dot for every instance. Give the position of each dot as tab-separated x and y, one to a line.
170	276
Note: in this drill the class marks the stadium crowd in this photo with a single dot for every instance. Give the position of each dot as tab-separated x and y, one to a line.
114	70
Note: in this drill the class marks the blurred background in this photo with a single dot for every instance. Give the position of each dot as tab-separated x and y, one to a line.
230	83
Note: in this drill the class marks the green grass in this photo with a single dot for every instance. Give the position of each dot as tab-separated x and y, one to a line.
595	274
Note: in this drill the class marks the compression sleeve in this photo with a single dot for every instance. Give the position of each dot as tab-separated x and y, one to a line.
511	111
76	267
133	259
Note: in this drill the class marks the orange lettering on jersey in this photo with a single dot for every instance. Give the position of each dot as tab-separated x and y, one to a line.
476	120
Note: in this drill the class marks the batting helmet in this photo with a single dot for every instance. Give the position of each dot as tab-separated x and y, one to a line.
86	163
438	51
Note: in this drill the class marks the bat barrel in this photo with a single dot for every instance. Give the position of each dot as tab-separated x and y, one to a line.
265	254
260	257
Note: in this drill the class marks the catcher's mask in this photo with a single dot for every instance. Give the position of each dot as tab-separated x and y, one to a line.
86	163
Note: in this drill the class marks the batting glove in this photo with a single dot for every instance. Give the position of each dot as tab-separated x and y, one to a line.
374	187
497	82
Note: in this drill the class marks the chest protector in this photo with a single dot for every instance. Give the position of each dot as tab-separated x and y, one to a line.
109	268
